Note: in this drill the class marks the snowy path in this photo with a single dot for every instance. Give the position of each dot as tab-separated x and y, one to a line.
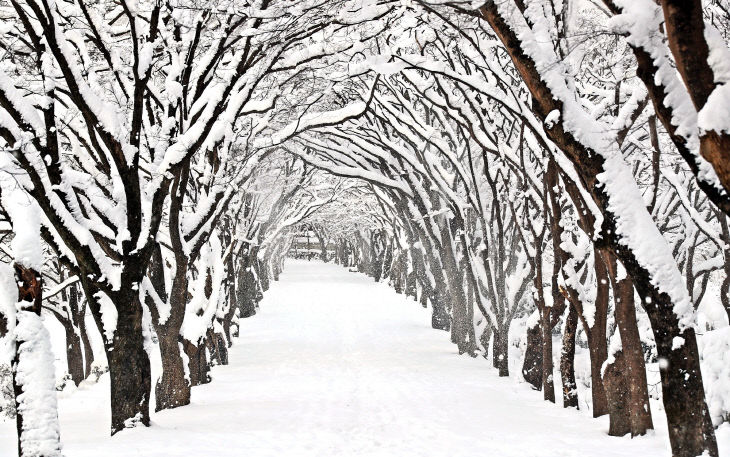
336	365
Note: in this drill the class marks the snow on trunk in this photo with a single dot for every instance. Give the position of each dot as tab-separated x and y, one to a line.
34	379
35	388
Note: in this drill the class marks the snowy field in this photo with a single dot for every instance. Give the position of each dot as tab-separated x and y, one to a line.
337	365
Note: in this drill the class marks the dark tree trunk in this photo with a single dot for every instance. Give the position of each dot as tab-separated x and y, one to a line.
88	351
228	323
262	270
548	383
725	286
560	257
173	388
567	360
399	273
230	288
470	332
597	345
197	362
3	325
246	288
322	245
634	369
387	258
377	254
546	327
129	365
532	365
70	320
438	292
216	348
80	318
453	272
440	316
500	351
411	287
485	339
617	393
440	319
222	348
74	354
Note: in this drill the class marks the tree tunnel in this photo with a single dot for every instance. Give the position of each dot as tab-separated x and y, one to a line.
492	160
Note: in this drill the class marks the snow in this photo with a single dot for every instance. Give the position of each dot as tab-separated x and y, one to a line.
634	224
109	315
200	311
8	299
552	118
715	352
336	364
637	20
25	215
716	112
36	374
677	342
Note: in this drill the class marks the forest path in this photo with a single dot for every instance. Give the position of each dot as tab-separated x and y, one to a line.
337	365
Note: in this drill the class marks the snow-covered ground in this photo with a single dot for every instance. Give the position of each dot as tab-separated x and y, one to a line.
337	365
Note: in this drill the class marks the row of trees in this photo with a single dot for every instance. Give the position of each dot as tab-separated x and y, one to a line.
142	175
526	159
516	159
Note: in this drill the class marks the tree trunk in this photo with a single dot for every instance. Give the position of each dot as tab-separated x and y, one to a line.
725	286
634	369
263	272
500	351
617	393
485	339
560	257
548	383
567	360
197	362
440	316
470	332
86	344
129	365
78	309
460	324
246	287
230	292
173	387
690	426
74	354
222	348
546	326
597	345
217	349
36	416
411	286
532	365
